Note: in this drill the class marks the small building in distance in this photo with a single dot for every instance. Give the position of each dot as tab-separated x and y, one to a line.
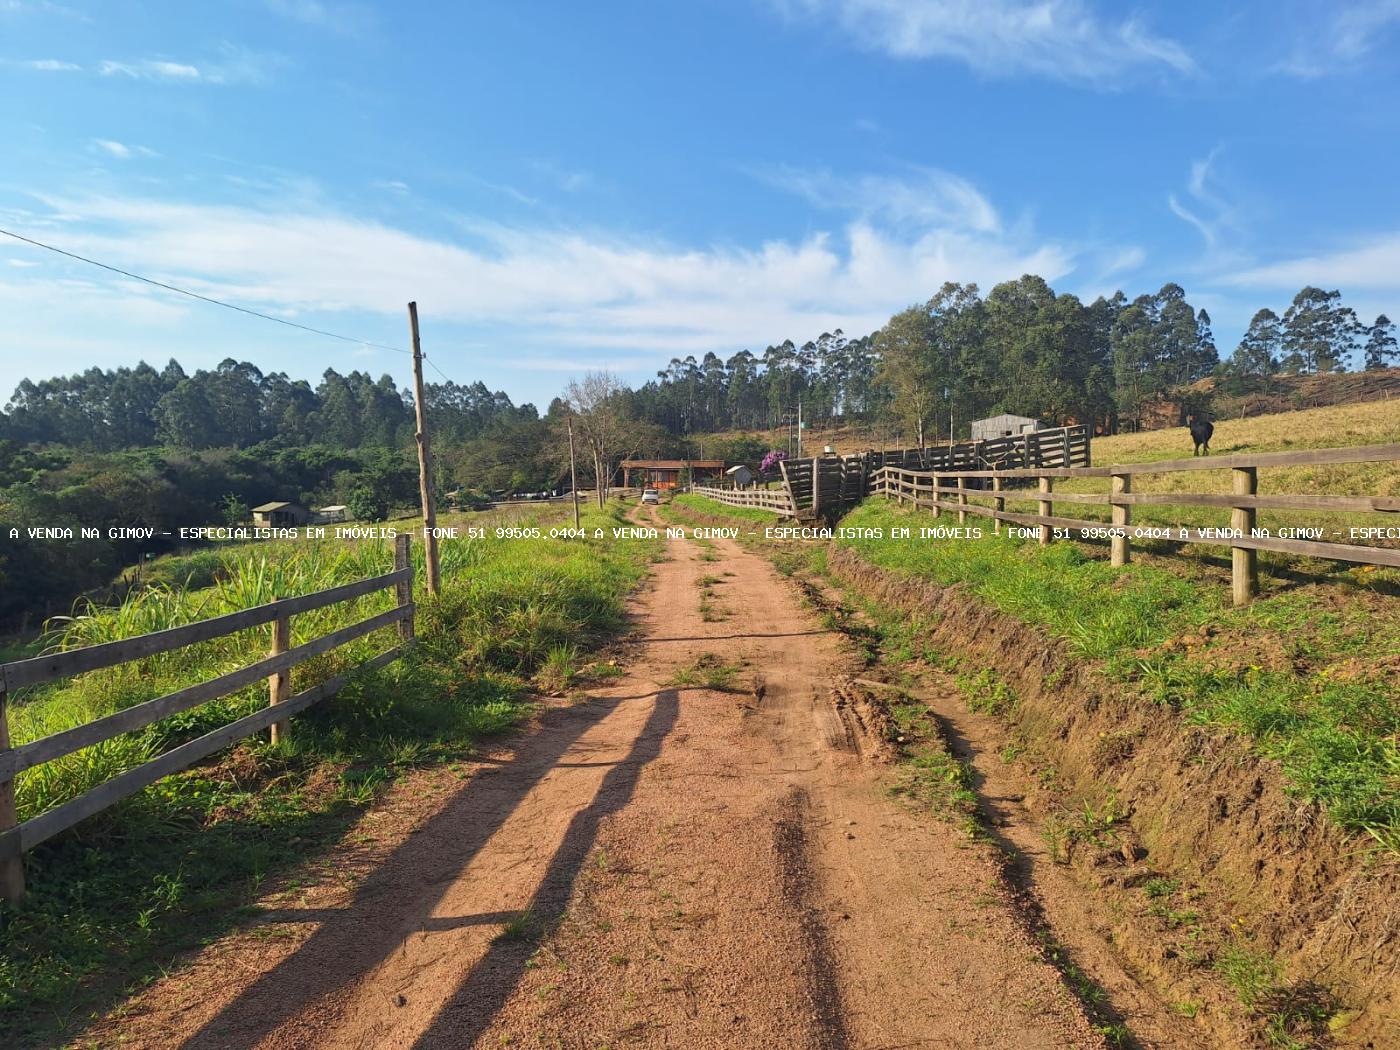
666	473
741	475
280	515
1004	425
335	512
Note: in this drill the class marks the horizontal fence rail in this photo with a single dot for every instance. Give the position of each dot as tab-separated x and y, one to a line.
17	838
928	488
779	501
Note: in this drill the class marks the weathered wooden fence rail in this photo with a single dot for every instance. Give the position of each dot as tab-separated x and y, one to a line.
829	484
779	501
927	489
17	838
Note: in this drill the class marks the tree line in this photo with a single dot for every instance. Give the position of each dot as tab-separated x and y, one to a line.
236	405
1022	348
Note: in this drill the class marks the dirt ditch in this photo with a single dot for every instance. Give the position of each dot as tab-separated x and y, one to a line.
1145	804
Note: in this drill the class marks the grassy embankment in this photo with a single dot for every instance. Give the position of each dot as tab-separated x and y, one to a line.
1308	674
111	901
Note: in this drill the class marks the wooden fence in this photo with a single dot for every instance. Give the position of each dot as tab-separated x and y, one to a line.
830	484
927	489
779	501
16	838
1058	447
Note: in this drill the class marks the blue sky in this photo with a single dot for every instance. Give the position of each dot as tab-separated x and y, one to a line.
566	186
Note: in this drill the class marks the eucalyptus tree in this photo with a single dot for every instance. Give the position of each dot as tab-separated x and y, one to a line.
1380	344
1319	333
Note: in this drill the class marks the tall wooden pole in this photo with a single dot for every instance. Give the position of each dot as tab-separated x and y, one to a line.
573	472
425	463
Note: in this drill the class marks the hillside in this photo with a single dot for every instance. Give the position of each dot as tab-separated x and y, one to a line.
1362	403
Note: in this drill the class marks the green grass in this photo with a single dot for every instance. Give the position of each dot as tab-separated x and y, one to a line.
112	900
709	671
929	774
714	508
1299	672
1291	1016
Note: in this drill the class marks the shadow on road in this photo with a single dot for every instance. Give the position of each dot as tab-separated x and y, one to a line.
469	1012
403	892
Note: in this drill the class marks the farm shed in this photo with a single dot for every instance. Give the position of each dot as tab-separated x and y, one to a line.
281	514
1004	425
666	473
335	512
741	475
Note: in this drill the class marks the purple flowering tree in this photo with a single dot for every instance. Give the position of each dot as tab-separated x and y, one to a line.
771	461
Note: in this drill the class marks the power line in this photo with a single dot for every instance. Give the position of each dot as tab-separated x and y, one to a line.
203	298
436	369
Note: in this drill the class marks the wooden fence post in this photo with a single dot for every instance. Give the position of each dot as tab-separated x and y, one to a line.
12	864
816	486
404	588
1047	507
999	504
937	483
279	683
1244	561
1121	484
962	500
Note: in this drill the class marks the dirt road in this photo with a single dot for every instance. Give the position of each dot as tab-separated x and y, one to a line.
658	865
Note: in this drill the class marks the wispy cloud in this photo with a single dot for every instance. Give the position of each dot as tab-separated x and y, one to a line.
52	65
1369	264
926	197
1349	35
150	69
232	65
1061	39
1206	209
337	17
570	180
391	185
121	150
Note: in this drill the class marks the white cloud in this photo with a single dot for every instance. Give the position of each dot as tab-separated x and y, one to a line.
1349	34
150	69
121	150
551	286
1123	261
928	198
233	65
1062	39
1214	218
116	149
52	65
1373	264
392	185
1206	230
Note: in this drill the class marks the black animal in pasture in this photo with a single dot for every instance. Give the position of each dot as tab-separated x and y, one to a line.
1201	430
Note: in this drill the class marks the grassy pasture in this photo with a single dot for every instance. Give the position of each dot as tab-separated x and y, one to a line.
1369	423
113	898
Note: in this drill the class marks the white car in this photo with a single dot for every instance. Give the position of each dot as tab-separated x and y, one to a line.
651	496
